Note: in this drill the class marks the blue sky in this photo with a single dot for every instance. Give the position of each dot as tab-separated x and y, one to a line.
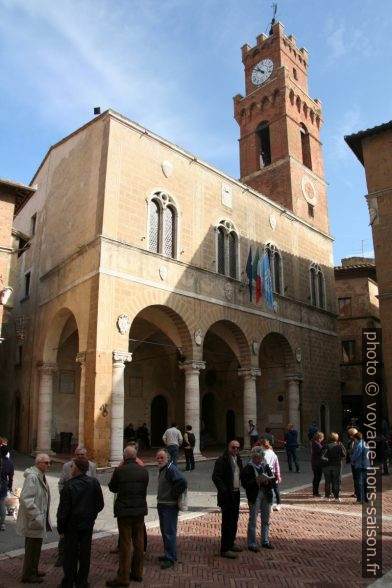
174	66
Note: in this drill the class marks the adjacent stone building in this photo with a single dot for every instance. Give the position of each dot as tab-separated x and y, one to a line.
358	308
373	148
136	290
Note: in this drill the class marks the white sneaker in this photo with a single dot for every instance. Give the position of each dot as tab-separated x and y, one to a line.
326	499
276	507
338	499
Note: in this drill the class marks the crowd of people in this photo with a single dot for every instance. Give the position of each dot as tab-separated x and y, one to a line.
81	497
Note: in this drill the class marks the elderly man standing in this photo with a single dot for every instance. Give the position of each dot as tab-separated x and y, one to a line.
226	477
129	482
33	517
66	474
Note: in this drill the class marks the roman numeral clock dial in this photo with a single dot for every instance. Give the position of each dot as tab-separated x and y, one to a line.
262	71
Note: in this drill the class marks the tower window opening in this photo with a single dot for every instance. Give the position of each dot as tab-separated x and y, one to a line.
311	210
305	146
263	134
295	73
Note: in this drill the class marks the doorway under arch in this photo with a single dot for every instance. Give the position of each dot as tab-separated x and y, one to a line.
159	411
230	426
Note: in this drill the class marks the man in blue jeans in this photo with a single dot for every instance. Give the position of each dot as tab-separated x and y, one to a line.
291	444
172	438
360	462
171	483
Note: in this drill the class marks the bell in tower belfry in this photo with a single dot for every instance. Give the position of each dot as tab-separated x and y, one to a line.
280	148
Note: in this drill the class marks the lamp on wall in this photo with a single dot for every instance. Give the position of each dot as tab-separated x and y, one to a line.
5	295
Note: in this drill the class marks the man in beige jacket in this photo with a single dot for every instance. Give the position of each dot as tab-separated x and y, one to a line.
33	517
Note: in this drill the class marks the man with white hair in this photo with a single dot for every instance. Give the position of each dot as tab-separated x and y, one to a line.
66	474
129	481
33	517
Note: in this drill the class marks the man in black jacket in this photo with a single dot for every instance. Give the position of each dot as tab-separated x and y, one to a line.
129	482
80	502
226	477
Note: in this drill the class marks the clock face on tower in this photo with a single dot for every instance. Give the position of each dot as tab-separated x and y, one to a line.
262	71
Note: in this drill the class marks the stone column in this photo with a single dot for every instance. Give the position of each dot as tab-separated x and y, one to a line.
250	401
192	398
117	408
293	382
81	359
45	408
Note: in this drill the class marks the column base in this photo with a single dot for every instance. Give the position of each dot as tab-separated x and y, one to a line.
198	456
49	452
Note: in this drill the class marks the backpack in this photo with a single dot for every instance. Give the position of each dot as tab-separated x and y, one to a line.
192	439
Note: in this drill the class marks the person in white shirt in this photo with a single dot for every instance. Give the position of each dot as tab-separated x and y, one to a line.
272	460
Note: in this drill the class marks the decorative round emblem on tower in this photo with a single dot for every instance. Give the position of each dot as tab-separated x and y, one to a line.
309	190
262	71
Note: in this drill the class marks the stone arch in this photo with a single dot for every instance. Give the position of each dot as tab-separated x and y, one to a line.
277	365
170	321
226	353
284	346
52	338
236	338
58	398
159	341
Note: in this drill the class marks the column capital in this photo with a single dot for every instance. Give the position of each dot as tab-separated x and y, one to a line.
81	358
294	378
192	365
46	367
249	372
121	357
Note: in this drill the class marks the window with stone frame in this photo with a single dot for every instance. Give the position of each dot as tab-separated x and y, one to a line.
162	224
227	244
317	286
344	306
276	267
348	351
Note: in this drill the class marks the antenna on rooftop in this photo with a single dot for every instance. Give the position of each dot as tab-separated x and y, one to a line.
274	9
97	110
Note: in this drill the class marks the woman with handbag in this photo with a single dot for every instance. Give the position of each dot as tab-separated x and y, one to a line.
256	478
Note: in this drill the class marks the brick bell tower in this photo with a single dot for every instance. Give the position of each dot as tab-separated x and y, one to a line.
280	148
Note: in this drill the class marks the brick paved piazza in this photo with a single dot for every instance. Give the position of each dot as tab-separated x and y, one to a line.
317	544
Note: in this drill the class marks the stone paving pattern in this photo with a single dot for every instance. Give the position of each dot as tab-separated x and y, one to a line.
317	544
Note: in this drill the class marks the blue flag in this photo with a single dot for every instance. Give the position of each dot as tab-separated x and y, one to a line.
267	281
249	273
